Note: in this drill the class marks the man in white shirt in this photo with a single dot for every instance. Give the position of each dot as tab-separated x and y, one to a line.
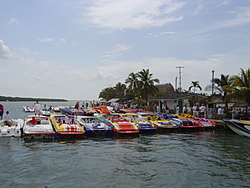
196	110
37	108
202	111
7	119
220	112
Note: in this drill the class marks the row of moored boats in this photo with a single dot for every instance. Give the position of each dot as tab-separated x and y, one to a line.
105	123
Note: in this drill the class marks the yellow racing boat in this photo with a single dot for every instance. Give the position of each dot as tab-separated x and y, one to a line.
66	126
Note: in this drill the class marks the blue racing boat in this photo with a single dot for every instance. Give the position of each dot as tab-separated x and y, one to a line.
94	127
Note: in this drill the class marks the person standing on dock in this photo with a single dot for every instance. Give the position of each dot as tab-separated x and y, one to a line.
202	111
234	113
37	108
220	112
196	110
1	111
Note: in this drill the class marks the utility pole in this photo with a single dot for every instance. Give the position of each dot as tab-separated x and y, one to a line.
212	82
176	83
180	77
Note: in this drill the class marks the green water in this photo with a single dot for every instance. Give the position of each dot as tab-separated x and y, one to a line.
198	159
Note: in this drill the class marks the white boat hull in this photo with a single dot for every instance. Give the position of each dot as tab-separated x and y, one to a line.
42	130
12	131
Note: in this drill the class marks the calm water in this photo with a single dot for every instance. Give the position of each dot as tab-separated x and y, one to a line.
202	159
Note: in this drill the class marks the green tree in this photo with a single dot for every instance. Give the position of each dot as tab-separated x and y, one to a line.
107	93
195	84
223	85
132	82
119	89
146	84
241	89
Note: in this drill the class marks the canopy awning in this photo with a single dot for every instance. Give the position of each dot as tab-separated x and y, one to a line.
113	100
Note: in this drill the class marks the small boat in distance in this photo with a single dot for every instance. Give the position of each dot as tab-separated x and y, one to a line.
240	127
26	109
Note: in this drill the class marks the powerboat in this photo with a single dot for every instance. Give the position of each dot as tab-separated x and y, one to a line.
239	126
206	123
37	127
163	125
94	127
202	122
26	109
71	111
120	125
101	109
11	131
144	125
66	126
185	124
46	112
31	108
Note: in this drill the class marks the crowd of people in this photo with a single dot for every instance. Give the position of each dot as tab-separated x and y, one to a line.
196	110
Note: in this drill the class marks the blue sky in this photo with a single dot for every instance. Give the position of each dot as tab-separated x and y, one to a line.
74	49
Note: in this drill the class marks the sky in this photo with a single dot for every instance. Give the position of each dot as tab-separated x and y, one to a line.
74	49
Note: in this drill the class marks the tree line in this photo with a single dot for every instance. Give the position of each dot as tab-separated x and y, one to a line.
4	98
141	85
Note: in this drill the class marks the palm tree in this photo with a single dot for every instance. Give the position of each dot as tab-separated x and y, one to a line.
132	82
195	84
119	89
223	85
241	89
146	84
107	93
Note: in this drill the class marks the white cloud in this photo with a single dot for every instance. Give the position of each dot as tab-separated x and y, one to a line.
198	9
242	16
118	48
13	21
75	42
45	39
46	64
166	33
223	3
27	56
26	51
159	34
4	51
165	69
27	60
130	14
61	42
37	78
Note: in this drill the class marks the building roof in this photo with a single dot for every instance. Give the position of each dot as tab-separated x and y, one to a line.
176	96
